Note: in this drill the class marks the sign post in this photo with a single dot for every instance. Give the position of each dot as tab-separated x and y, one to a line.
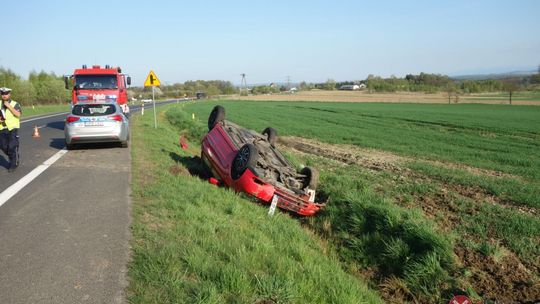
152	81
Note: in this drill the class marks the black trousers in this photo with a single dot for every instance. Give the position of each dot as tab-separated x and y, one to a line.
9	143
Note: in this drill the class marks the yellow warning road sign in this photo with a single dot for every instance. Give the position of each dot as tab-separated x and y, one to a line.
152	80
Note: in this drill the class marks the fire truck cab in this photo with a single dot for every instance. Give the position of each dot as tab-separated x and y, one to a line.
99	84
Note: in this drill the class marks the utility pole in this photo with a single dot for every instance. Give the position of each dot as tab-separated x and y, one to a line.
243	84
288	83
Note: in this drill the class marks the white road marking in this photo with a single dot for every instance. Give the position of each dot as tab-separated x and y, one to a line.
15	188
41	117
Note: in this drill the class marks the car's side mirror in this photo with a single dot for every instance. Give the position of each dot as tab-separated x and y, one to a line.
129	80
66	82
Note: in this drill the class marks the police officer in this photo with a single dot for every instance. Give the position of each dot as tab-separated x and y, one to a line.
9	128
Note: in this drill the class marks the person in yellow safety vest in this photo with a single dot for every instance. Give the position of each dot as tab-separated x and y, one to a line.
9	128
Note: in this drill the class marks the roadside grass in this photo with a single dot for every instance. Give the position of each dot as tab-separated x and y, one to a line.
29	111
495	137
371	231
197	243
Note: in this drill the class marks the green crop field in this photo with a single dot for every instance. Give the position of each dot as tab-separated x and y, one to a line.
532	96
424	202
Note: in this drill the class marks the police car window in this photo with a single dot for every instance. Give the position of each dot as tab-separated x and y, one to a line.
93	110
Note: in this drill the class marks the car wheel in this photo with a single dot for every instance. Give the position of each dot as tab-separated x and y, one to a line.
271	135
216	116
311	177
245	158
124	144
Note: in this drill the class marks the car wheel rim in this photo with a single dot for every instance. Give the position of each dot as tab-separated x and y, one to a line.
243	157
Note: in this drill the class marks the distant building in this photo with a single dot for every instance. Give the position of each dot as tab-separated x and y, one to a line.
200	95
353	87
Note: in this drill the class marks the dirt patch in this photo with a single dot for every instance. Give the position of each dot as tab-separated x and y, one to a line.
348	154
371	158
178	170
503	281
395	291
366	96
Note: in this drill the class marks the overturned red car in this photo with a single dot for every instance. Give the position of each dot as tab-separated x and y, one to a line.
249	162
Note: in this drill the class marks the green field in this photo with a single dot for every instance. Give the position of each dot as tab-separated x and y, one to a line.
533	96
453	211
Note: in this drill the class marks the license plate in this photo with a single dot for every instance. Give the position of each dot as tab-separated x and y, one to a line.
93	123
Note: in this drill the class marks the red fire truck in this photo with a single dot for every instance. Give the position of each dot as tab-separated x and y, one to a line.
99	84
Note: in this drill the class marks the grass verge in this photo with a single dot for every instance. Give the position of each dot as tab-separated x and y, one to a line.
29	110
195	243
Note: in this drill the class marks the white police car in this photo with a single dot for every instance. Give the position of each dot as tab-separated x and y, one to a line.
96	122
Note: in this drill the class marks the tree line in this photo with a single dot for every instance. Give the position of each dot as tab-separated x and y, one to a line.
48	88
40	88
434	83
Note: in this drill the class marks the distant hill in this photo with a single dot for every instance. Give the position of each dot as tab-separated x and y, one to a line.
494	75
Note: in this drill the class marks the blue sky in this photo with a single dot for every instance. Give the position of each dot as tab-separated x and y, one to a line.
269	40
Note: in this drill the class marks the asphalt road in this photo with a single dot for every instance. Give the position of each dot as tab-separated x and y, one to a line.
64	238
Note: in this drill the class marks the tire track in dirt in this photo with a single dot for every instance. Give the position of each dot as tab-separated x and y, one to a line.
385	161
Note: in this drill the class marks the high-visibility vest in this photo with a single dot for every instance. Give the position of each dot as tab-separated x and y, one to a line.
12	121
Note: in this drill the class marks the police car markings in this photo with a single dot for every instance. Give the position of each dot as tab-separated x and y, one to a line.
16	187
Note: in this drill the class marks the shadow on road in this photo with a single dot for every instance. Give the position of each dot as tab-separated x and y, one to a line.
4	161
94	146
56	125
58	143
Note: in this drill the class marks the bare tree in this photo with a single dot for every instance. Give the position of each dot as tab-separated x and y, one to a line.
451	90
510	87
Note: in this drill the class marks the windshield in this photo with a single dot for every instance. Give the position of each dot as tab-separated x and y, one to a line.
96	81
93	109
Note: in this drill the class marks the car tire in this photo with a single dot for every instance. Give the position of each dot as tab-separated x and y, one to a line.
271	135
70	146
311	177
124	144
245	158
216	116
